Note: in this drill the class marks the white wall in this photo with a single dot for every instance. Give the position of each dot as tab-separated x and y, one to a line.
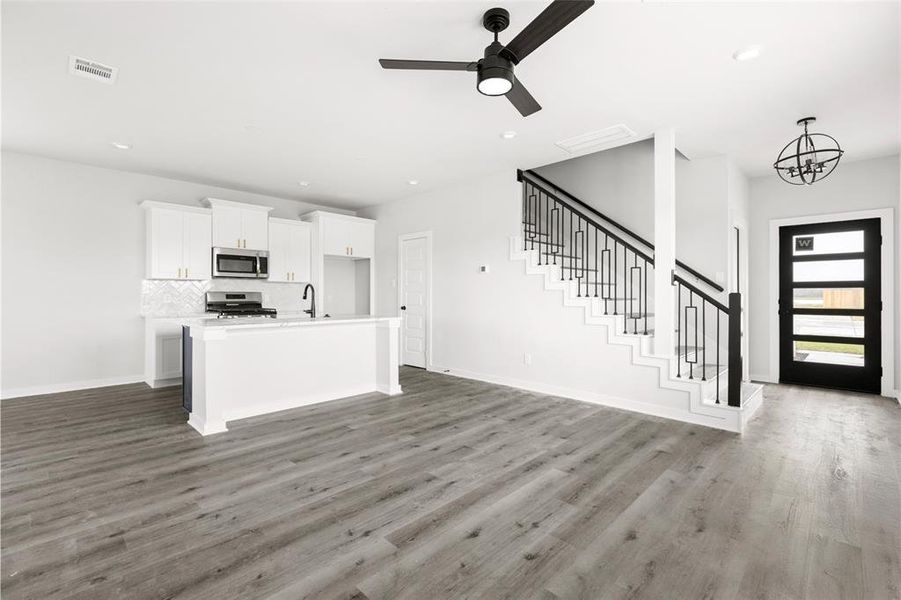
484	323
73	261
853	186
619	183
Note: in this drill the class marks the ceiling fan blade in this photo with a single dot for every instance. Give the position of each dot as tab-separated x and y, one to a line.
520	97
552	19
428	65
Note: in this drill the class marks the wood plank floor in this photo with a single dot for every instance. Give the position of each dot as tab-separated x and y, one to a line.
456	489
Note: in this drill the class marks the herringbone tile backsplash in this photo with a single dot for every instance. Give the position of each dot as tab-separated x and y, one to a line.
174	298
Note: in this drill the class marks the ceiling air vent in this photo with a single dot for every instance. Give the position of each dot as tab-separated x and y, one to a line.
596	140
92	69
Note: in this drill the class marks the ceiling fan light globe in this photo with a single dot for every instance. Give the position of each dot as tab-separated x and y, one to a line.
495	86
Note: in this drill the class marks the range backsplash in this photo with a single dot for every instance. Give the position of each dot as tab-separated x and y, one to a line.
174	298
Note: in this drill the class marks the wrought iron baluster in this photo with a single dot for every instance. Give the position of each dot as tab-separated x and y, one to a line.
678	329
645	297
615	286
717	356
525	195
704	338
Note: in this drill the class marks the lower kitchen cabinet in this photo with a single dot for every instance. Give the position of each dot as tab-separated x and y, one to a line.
162	351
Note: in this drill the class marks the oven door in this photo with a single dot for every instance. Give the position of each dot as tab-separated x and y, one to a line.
234	262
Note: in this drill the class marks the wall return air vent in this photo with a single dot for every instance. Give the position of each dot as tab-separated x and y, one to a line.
92	69
596	140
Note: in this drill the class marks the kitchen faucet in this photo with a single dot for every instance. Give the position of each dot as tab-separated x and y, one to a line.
312	310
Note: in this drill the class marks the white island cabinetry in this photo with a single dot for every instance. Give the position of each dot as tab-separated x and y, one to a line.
247	368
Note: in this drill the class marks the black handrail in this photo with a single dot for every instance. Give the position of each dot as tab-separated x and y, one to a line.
588	219
710	299
571	198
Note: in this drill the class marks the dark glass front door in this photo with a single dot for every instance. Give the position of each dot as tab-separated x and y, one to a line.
830	305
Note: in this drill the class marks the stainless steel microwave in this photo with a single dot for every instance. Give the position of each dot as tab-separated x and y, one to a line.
236	262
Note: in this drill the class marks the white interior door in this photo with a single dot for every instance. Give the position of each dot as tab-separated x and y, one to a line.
414	291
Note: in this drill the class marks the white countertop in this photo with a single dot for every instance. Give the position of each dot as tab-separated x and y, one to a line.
266	323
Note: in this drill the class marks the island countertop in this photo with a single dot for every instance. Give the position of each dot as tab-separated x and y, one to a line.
212	324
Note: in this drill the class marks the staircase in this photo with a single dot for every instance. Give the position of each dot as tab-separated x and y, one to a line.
606	270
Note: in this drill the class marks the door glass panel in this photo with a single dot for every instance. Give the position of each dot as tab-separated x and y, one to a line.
827	298
834	325
829	353
828	243
828	270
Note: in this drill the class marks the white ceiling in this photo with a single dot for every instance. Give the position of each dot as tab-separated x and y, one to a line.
257	96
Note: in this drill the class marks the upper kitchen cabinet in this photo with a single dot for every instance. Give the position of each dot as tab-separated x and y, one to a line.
289	250
179	241
239	225
343	235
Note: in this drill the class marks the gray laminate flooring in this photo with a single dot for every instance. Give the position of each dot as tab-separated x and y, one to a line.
456	489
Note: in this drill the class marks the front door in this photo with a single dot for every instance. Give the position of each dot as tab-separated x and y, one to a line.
830	305
414	292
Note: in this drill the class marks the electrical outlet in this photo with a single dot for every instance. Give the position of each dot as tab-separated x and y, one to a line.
527	359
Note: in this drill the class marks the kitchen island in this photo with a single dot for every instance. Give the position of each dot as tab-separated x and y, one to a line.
247	367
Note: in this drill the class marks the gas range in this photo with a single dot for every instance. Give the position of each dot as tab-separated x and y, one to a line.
238	305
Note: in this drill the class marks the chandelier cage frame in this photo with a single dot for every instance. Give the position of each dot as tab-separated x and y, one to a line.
808	164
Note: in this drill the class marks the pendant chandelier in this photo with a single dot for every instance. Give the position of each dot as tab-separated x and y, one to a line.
808	158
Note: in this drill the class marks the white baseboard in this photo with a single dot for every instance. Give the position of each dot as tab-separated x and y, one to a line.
635	406
70	386
764	377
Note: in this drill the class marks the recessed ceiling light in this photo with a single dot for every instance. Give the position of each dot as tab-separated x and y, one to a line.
303	183
413	182
508	135
748	53
120	146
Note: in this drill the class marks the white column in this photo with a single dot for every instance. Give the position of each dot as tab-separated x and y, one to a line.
664	241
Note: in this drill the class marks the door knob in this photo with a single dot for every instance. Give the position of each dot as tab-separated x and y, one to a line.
404	307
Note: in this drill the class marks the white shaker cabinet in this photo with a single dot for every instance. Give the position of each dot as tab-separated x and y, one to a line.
239	225
179	241
344	235
343	263
289	250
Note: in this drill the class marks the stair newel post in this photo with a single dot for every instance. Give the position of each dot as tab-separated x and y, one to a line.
525	195
735	359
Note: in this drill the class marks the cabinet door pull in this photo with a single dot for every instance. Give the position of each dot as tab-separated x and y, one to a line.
186	272
179	272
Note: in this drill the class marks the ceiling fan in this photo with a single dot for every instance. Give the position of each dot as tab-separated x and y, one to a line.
495	71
